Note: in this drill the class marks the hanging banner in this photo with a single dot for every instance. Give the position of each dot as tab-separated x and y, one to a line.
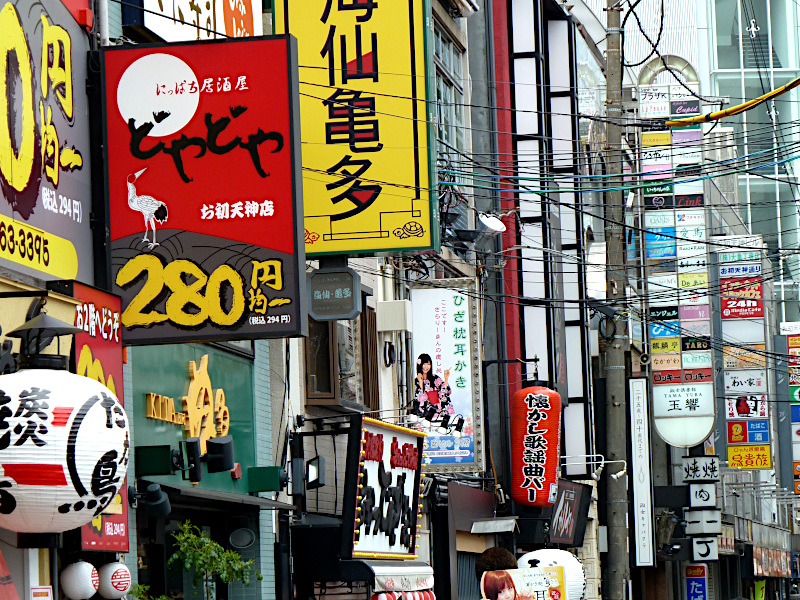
204	193
367	181
446	396
45	167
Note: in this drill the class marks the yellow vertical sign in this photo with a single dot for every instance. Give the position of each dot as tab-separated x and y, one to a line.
364	124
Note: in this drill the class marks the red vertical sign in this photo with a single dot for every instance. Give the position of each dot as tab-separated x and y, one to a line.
98	355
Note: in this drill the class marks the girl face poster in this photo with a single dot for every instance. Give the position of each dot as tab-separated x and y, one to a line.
444	398
539	583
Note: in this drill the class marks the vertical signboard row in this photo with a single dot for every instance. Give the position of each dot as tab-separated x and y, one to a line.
676	258
745	375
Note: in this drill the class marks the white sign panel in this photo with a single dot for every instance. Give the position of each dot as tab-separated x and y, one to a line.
735	243
705	548
743	331
662	289
690	400
703	495
640	473
740	270
703	522
745	381
697	360
659	218
750	406
700	468
447	376
790	327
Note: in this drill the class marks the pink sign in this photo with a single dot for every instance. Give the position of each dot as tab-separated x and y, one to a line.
698	311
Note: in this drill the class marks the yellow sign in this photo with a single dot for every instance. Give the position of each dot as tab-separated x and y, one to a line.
37	249
205	414
692	280
366	184
665	345
747	357
749	457
656	138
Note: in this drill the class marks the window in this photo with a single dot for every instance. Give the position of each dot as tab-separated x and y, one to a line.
449	59
342	362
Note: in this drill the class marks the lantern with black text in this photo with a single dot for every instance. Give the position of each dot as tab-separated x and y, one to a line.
64	444
535	445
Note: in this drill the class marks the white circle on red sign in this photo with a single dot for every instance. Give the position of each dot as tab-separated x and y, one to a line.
160	90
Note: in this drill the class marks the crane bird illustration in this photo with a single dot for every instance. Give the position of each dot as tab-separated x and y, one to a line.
153	210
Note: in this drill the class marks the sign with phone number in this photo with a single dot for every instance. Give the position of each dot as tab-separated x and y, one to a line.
33	247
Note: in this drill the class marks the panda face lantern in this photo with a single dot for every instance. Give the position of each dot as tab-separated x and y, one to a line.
64	450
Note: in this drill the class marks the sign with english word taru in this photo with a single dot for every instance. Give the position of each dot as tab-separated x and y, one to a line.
203	185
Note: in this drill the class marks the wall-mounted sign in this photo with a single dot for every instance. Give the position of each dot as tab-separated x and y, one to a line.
688	313
745	381
746	407
568	523
640	464
446	351
748	288
696	360
700	468
382	498
665	345
689	201
334	294
665	330
203	180
740	270
45	171
535	414
666	362
740	308
662	313
664	218
750	457
744	357
690	344
365	130
698	375
748	432
667	377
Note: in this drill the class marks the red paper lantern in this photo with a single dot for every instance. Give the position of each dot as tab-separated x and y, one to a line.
535	446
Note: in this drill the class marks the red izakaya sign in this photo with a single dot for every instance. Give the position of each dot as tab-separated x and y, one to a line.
98	355
203	183
536	444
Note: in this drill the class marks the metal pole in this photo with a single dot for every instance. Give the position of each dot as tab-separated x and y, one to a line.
618	571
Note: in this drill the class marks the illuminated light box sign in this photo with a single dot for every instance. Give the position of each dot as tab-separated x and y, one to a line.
745	381
381	507
45	171
684	414
752	406
750	457
748	432
203	180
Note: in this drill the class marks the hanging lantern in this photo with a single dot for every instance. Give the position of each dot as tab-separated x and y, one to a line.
115	581
79	581
63	450
574	574
535	445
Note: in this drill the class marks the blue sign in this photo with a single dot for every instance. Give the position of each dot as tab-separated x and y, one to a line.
795	413
696	588
758	432
665	330
661	250
660	234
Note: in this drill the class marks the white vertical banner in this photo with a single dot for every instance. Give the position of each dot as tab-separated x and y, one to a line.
640	473
446	367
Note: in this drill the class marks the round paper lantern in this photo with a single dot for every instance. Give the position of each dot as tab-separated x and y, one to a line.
79	581
63	450
535	445
115	580
574	575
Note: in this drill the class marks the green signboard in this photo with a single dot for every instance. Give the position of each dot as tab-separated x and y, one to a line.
194	390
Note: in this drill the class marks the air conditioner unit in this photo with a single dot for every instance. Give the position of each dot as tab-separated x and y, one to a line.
393	315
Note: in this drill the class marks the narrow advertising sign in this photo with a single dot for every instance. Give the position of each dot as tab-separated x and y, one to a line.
203	182
366	129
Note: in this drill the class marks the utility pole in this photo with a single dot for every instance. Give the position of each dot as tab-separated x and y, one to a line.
618	567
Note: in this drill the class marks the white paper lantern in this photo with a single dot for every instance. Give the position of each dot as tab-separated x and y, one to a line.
115	581
63	450
574	574
79	581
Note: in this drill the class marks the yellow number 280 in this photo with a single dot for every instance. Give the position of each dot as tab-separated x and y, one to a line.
188	286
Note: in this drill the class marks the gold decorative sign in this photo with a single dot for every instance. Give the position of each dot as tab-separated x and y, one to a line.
204	415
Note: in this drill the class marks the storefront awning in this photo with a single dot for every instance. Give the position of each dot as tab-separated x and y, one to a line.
194	492
392	576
